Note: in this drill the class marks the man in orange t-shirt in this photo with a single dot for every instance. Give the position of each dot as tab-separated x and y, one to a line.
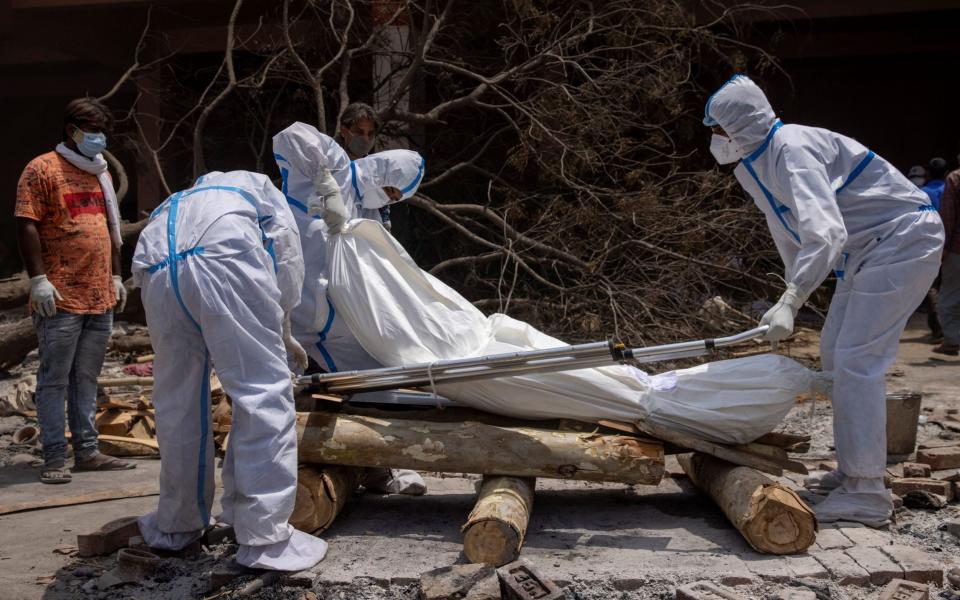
70	246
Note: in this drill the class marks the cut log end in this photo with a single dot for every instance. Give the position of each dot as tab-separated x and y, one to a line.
497	525
491	542
771	517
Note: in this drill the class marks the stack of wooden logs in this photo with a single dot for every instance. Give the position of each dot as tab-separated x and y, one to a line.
334	446
127	424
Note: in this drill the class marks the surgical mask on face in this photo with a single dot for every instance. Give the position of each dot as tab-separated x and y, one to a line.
724	150
89	144
360	146
918	181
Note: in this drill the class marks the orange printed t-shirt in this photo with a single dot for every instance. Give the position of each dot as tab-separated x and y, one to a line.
68	206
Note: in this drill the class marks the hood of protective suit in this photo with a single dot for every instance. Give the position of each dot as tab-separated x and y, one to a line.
401	169
741	108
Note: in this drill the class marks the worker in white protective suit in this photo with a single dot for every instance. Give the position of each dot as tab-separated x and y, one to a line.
831	203
220	267
324	189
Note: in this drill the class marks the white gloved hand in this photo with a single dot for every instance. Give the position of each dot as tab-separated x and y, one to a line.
327	201
43	296
295	351
780	317
120	292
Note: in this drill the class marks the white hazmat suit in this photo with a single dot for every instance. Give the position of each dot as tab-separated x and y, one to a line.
219	265
303	155
831	203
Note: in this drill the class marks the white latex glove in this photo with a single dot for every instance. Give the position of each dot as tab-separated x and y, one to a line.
294	350
327	201
43	296
120	292
780	317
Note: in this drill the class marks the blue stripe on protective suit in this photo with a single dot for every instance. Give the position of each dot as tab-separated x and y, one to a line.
416	180
180	256
204	386
353	180
857	170
284	187
778	209
331	313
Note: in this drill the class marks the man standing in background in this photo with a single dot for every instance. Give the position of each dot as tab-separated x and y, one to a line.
950	268
68	231
357	136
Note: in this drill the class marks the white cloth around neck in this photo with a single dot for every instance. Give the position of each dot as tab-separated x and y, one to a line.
98	166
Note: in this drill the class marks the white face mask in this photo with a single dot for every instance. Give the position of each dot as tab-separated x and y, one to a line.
918	181
724	150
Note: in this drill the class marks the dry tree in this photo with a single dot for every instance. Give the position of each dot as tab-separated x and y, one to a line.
567	166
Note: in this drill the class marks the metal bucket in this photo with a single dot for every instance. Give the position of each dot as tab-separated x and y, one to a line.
903	416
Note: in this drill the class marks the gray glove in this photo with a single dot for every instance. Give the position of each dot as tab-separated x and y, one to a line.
43	296
295	351
780	317
327	202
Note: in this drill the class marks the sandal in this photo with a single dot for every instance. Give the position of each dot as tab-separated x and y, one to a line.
101	462
947	349
55	475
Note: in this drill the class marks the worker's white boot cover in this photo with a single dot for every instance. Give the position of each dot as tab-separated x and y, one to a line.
860	500
395	481
298	552
824	481
155	538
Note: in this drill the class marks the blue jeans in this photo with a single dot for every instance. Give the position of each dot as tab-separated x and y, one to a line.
72	347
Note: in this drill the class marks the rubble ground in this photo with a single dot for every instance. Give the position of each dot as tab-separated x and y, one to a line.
596	541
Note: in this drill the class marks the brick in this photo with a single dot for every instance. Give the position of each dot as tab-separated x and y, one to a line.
486	589
769	568
450	583
916	470
705	590
842	568
795	594
924	499
899	589
940	458
952	527
830	538
881	567
917	566
865	536
946	475
908	484
109	538
521	581
806	567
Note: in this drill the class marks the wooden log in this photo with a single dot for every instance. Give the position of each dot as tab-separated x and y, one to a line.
771	517
322	492
497	525
733	454
131	343
14	291
123	381
17	339
473	447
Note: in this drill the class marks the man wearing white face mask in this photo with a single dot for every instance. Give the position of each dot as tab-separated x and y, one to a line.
324	189
68	230
831	203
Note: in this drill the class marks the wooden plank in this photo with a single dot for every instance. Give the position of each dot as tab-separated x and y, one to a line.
727	453
122	381
66	499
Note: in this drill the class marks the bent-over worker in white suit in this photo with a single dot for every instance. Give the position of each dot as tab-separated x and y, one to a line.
831	203
220	267
314	169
